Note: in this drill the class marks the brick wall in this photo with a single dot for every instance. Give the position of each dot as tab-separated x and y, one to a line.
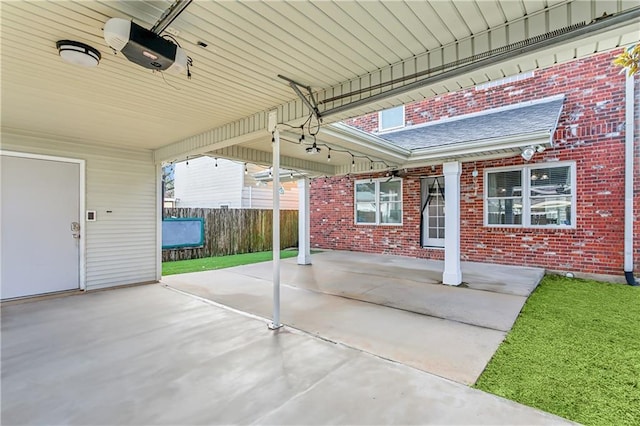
590	132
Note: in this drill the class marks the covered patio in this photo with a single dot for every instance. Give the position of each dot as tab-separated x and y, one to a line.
390	306
149	355
264	74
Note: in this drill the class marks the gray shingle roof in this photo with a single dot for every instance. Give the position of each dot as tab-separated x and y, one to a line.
503	122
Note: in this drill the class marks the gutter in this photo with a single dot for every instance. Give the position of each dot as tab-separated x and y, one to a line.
478	147
628	181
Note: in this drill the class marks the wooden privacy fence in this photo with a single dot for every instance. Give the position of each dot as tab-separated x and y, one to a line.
233	231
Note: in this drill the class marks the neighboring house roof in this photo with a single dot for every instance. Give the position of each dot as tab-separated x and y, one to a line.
524	118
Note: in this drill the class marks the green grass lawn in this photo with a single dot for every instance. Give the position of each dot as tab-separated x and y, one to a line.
209	263
574	351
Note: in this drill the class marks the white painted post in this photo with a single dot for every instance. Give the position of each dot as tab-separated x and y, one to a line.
304	222
275	324
452	274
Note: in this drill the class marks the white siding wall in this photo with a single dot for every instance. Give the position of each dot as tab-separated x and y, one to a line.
201	184
261	197
121	246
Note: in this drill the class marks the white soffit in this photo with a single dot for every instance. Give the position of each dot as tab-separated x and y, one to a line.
334	47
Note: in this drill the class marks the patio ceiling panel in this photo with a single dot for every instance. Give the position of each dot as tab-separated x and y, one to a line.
334	47
358	96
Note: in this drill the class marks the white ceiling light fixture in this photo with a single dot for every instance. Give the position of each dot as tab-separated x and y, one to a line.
77	53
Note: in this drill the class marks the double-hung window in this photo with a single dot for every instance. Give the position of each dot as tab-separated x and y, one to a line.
378	201
538	195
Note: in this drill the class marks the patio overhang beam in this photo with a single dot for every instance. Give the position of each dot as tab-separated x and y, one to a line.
286	175
263	158
240	131
479	148
487	149
348	140
364	142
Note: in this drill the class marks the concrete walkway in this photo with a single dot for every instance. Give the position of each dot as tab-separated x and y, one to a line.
150	355
346	297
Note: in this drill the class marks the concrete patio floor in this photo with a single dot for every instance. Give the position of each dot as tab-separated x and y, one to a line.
151	355
346	297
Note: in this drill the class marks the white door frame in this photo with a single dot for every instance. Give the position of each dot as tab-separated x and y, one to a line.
81	206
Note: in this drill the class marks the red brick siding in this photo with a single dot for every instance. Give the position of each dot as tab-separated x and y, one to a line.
590	132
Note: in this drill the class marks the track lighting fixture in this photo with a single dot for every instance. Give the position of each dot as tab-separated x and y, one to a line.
329	155
246	171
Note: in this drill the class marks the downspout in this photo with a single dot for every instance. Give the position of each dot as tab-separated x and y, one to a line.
628	180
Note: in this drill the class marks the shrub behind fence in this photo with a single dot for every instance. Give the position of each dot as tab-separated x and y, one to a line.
233	231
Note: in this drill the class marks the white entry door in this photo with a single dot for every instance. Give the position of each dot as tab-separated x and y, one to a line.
40	221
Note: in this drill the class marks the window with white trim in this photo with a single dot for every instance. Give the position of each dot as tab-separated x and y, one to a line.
392	118
537	195
378	201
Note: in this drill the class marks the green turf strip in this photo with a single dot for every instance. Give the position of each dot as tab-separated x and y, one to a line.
574	351
210	263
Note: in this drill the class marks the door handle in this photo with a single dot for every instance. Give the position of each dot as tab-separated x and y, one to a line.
75	230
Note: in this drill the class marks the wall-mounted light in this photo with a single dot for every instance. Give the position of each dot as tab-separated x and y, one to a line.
77	53
528	153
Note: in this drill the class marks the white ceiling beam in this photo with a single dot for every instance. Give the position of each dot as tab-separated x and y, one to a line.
237	132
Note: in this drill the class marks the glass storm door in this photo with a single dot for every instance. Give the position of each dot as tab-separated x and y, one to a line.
432	219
